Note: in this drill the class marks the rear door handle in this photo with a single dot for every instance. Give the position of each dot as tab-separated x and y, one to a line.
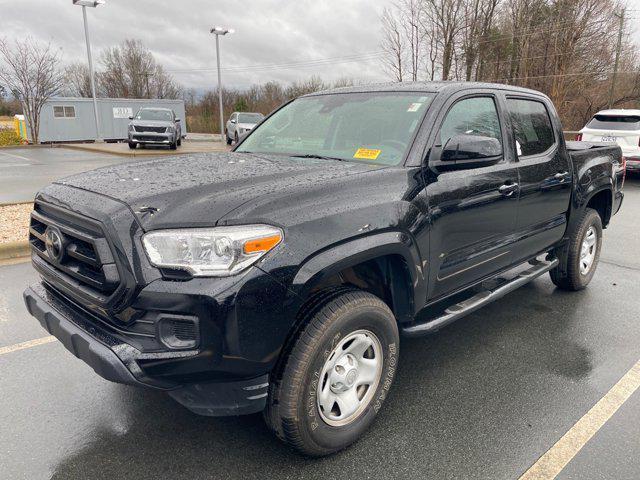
507	189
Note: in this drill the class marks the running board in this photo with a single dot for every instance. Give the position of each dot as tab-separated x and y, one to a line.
459	310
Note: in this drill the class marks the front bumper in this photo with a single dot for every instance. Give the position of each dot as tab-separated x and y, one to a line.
119	362
151	137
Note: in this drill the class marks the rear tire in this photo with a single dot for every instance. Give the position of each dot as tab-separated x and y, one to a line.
335	374
581	254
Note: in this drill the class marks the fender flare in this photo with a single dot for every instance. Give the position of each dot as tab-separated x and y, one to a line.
328	262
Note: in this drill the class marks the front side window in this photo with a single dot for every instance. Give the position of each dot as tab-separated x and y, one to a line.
531	126
372	127
153	114
249	117
471	116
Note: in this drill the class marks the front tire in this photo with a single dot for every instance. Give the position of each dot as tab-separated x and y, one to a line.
581	254
132	145
336	373
226	136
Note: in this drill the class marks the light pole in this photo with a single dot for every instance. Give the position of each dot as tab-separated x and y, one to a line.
84	4
217	31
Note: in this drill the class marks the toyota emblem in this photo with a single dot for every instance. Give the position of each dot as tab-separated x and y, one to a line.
54	243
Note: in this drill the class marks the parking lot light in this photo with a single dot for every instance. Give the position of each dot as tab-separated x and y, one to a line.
84	4
217	31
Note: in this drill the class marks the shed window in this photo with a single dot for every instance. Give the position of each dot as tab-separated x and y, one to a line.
66	111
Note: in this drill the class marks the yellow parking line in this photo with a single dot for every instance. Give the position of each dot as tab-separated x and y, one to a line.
28	344
557	457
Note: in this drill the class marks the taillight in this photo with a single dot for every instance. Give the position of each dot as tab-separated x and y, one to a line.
579	137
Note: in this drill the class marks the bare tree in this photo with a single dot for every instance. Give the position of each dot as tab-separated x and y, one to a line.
77	81
31	72
131	71
393	44
446	16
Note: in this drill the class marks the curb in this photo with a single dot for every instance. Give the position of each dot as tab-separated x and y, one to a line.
8	204
108	152
12	250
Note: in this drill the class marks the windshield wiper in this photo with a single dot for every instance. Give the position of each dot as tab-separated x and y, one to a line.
321	157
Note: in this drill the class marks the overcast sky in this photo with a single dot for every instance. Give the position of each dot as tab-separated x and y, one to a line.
342	36
267	32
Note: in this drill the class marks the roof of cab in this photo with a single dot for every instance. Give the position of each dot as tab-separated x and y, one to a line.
427	87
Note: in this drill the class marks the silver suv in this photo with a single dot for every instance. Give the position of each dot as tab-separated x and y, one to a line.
239	124
158	126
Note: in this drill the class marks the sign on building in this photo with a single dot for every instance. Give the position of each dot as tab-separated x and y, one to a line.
122	112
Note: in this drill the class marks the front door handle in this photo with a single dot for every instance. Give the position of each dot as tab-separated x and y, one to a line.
561	176
507	189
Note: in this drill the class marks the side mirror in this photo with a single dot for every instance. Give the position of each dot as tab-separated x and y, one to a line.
177	120
466	151
130	117
232	121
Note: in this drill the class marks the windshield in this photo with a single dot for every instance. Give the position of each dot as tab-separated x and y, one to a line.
366	127
615	122
150	114
249	117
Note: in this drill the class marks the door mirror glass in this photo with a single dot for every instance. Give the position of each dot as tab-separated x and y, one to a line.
233	120
130	117
471	147
177	119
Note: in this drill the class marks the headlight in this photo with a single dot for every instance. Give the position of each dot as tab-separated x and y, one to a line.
170	129
211	252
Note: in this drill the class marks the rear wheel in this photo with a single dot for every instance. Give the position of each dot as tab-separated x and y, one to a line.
581	254
335	375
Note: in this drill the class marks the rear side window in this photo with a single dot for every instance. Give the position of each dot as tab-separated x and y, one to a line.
615	122
531	125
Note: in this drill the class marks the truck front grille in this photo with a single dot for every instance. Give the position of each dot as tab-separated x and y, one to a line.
73	254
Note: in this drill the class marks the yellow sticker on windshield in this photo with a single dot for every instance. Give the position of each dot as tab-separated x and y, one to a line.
367	153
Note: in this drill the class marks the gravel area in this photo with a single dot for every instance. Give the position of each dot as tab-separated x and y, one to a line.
14	222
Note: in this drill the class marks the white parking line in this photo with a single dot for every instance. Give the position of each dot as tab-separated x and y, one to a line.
28	344
557	457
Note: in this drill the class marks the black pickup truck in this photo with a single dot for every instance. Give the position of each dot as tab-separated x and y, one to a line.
278	277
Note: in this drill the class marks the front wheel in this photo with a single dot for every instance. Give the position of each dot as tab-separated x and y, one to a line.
132	145
581	254
336	375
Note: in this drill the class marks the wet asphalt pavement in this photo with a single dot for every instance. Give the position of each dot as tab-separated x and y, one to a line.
483	398
24	171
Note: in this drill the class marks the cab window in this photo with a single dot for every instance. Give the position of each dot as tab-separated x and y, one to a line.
531	126
471	116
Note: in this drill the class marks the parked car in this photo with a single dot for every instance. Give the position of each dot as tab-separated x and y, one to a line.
239	124
278	277
620	126
155	126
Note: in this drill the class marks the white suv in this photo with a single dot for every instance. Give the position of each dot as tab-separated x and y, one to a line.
619	126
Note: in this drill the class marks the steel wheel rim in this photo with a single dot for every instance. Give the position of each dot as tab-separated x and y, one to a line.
349	378
588	250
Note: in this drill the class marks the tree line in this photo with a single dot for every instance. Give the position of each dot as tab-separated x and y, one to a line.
564	48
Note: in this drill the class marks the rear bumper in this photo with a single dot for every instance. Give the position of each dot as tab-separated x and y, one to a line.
633	164
118	362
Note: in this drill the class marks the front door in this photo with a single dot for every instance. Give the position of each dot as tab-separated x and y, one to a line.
472	210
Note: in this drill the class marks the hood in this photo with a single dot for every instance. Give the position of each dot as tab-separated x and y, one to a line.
151	123
247	125
198	190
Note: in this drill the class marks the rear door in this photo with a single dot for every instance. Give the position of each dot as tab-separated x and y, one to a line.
545	174
473	210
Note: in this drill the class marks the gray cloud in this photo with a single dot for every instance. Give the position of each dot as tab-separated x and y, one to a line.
267	32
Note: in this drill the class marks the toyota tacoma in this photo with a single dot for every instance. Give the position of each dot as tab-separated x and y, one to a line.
279	277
